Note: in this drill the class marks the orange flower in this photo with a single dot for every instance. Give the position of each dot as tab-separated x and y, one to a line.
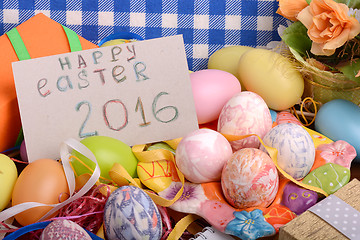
291	8
329	25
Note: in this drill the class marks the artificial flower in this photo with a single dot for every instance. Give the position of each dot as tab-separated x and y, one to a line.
329	25
290	8
249	225
339	152
191	199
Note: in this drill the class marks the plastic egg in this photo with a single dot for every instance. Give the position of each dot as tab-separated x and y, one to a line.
272	76
296	150
339	120
107	151
131	214
211	89
8	177
245	113
202	154
41	181
250	179
64	229
227	59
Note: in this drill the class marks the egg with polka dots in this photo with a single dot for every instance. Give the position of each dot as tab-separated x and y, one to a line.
330	177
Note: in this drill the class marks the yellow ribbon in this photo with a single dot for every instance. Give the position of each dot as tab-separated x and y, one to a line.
181	226
273	154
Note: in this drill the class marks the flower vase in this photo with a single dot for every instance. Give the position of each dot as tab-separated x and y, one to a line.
324	86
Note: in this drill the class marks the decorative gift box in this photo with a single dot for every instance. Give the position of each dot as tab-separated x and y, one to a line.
340	217
41	36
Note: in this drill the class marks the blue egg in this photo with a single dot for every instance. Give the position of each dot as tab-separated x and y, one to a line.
339	119
131	214
296	150
273	115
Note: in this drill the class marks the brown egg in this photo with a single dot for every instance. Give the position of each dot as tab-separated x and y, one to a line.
41	181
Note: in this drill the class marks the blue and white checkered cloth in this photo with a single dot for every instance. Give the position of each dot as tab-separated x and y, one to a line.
207	25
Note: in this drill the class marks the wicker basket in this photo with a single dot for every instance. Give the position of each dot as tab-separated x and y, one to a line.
324	86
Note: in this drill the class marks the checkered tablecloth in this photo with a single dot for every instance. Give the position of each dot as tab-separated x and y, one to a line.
207	25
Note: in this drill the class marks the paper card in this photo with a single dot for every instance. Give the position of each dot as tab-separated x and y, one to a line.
138	92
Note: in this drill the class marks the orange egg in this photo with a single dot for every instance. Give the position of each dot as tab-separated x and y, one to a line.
41	181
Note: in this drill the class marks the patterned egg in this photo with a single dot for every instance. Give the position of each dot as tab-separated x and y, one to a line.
245	113
202	154
296	150
330	177
64	229
131	214
250	179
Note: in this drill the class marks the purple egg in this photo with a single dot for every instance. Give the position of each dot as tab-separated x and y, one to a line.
23	153
298	199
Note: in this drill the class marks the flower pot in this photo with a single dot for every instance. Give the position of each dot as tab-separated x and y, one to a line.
324	86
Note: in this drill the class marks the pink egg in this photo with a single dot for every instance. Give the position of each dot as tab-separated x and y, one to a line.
250	179
212	88
245	113
201	155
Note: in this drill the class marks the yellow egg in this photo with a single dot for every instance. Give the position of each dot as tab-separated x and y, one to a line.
41	181
272	76
227	59
8	176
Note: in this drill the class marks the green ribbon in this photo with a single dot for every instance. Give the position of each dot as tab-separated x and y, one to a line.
23	54
73	39
18	44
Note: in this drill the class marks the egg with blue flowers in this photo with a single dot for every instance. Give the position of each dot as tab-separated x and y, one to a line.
131	214
296	150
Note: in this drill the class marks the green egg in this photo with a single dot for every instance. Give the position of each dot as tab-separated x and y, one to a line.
107	151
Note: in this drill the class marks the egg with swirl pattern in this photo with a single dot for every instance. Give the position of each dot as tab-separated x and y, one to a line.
296	150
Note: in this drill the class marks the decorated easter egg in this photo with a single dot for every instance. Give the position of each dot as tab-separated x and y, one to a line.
131	214
201	155
157	175
211	89
339	120
272	76
107	151
245	113
296	150
286	117
298	199
8	177
64	229
227	59
330	177
250	179
41	181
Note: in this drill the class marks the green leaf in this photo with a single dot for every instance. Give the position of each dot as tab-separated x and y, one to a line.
350	3
295	36
351	69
